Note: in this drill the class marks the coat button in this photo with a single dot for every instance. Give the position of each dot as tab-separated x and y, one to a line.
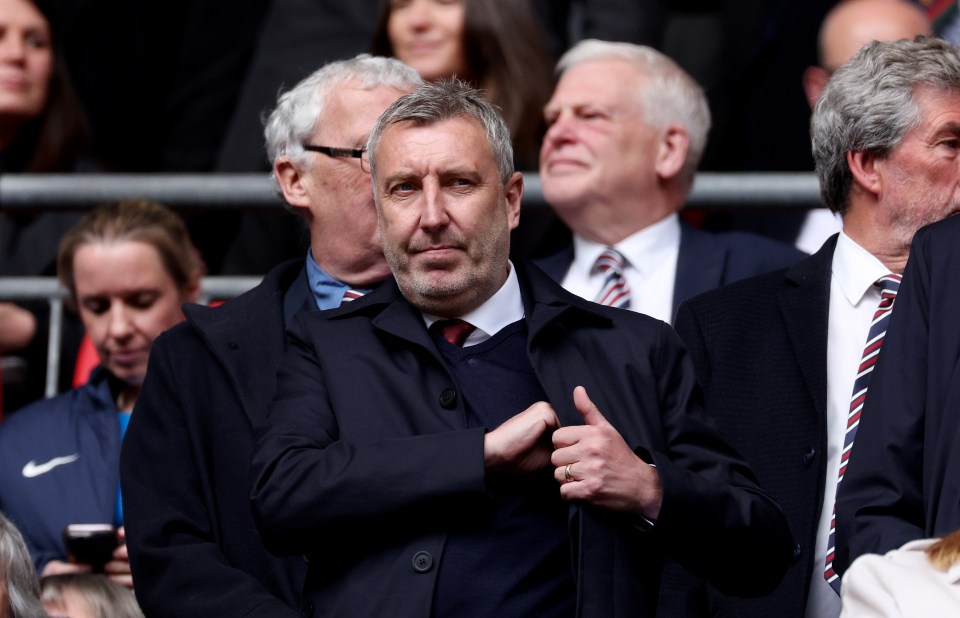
448	398
422	562
233	345
797	552
808	457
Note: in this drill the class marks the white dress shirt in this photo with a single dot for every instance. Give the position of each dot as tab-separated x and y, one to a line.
853	301
500	310
650	271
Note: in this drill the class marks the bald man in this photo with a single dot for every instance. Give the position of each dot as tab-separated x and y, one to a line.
850	25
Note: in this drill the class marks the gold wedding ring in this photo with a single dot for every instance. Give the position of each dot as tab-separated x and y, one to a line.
566	473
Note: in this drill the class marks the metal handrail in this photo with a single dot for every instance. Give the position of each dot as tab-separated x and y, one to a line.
49	289
18	192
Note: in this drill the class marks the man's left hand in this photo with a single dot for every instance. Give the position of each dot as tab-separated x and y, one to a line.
594	464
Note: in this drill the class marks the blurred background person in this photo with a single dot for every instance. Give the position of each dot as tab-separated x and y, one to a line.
627	129
42	129
848	26
19	593
17	327
920	579
84	595
497	45
128	267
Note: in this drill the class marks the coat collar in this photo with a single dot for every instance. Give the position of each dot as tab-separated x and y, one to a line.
545	302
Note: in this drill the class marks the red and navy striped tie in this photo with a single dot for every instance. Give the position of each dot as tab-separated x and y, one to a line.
615	291
888	285
351	294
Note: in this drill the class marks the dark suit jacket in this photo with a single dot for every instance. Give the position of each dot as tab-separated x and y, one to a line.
367	456
194	548
706	261
760	350
903	480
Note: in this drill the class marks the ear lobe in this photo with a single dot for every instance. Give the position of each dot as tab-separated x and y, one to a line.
291	184
513	193
866	171
672	152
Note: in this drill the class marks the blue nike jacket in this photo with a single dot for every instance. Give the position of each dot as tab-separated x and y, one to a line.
59	461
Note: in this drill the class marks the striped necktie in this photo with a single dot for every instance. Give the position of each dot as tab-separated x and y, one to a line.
351	294
888	284
615	291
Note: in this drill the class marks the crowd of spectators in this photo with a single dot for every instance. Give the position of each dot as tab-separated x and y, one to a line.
616	105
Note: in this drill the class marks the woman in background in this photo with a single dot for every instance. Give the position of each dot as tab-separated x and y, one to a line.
496	45
42	130
128	266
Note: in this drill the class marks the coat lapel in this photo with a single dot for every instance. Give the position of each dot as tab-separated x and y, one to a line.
805	307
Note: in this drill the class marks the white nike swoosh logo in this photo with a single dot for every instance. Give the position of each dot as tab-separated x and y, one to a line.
34	469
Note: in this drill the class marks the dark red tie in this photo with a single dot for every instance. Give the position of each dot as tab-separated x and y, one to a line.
455	331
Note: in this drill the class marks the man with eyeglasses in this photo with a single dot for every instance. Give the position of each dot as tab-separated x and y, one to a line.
194	548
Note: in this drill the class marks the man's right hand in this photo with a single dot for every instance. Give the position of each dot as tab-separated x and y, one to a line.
522	443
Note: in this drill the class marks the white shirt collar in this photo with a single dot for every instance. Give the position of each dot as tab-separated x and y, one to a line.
855	269
500	310
644	250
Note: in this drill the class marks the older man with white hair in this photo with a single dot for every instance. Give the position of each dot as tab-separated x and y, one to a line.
627	129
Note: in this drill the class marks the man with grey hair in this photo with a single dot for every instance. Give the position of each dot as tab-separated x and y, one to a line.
194	548
627	128
470	439
19	590
785	358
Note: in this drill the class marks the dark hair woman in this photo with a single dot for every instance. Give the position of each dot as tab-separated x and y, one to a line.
496	45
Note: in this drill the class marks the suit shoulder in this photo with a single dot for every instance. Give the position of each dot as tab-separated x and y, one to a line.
747	243
758	289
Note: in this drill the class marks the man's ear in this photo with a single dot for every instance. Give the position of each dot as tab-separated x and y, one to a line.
672	152
290	180
814	82
866	171
513	193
